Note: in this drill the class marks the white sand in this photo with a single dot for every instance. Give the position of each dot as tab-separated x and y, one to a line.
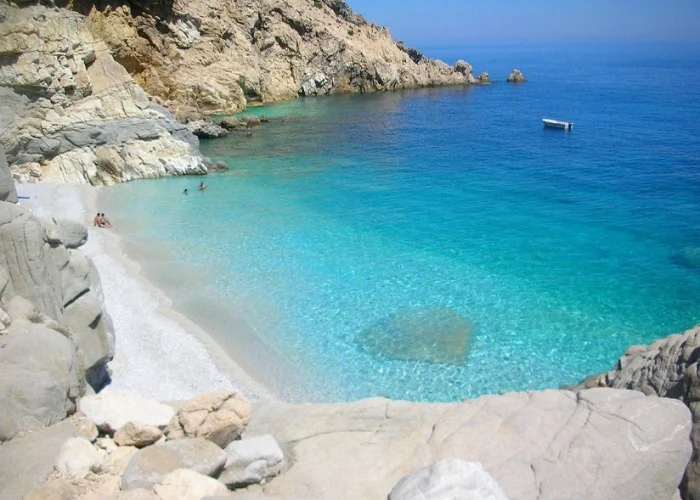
160	354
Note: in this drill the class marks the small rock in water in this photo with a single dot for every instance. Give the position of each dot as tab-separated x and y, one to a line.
434	335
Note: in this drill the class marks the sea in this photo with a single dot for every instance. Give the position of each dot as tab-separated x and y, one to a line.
440	244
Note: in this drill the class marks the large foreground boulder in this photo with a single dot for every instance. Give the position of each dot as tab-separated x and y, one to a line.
39	379
669	368
599	443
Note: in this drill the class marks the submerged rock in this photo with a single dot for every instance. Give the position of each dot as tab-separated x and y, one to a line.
434	335
688	257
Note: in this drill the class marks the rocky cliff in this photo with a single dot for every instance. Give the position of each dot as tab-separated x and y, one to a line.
219	56
70	113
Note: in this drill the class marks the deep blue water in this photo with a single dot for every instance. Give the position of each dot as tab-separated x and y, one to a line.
352	228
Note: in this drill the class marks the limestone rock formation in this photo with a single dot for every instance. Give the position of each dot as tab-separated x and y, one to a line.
206	129
72	114
111	410
669	368
217	416
219	57
600	443
252	461
150	465
449	478
516	76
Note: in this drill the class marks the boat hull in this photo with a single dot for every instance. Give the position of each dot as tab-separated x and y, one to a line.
557	124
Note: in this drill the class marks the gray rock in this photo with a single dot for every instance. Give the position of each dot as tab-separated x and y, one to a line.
252	461
8	192
27	461
463	67
113	409
40	379
150	465
446	480
668	368
77	458
483	79
206	129
24	254
516	76
251	121
231	123
66	232
599	443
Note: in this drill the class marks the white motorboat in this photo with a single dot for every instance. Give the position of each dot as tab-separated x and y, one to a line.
557	124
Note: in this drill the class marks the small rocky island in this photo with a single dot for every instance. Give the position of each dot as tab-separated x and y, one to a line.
98	95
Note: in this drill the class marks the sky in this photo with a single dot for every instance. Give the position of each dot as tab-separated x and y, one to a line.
421	22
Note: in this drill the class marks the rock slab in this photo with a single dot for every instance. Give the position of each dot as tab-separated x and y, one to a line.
150	465
600	443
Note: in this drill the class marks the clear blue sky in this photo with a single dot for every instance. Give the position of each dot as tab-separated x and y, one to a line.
423	22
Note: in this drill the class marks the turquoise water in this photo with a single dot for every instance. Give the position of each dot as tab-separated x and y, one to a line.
352	228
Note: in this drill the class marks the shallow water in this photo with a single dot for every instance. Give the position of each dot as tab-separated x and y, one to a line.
351	229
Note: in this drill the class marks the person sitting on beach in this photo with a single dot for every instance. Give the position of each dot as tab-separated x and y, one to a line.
105	222
97	221
202	186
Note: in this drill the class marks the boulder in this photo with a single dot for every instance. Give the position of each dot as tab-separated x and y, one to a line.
106	444
185	484
463	67
217	416
483	79
600	443
668	368
251	121
27	461
66	232
138	435
252	461
24	254
8	192
113	409
77	458
40	379
150	465
206	129
86	429
231	123
449	478
516	77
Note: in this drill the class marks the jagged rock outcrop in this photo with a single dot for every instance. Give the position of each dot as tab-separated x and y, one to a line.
8	192
72	114
219	57
667	368
516	76
599	443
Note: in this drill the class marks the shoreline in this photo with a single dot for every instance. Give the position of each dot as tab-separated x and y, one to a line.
160	353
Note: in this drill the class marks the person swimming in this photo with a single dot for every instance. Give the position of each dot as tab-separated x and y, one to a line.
185	191
202	186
